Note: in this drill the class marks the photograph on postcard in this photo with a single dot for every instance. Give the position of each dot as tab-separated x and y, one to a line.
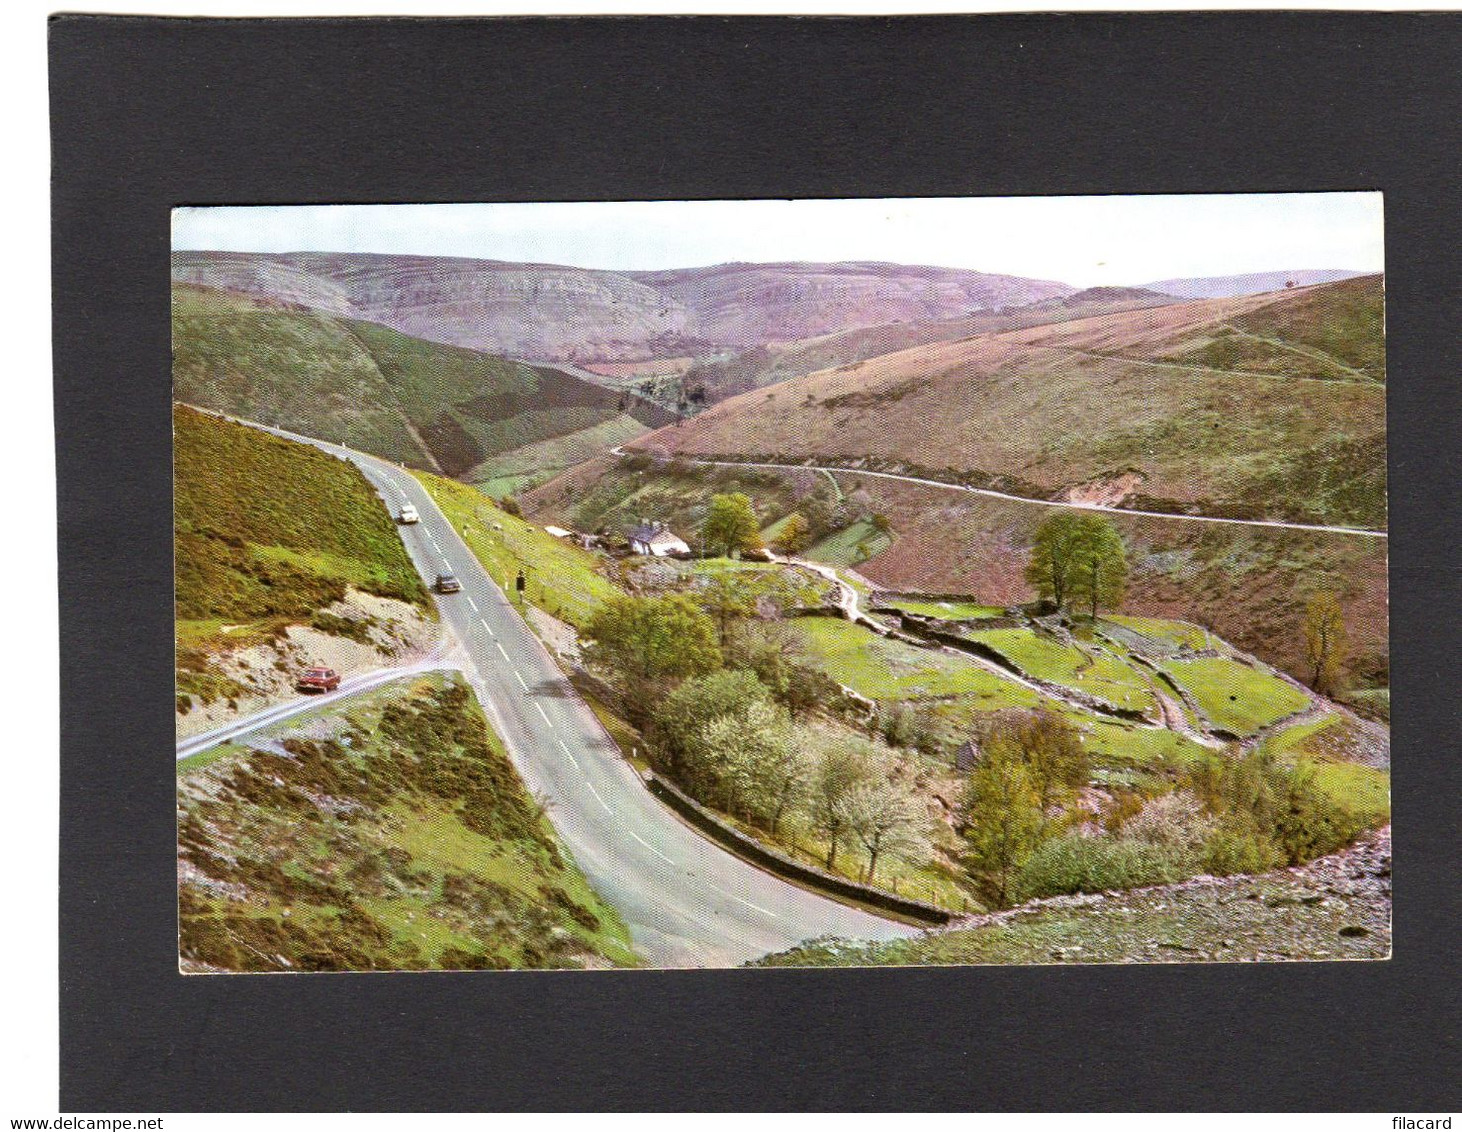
781	583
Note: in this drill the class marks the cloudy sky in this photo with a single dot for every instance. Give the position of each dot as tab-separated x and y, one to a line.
1084	241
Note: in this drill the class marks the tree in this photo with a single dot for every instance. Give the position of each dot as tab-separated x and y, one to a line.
685	712
793	535
1325	642
886	818
726	598
839	768
645	641
731	524
1098	567
1003	817
750	762
1050	567
1053	754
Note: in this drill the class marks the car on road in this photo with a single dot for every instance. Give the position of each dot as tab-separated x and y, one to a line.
448	584
318	680
407	514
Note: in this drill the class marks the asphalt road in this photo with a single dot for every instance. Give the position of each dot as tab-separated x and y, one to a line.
686	901
1059	504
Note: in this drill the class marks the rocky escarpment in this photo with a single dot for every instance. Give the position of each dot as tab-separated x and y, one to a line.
558	313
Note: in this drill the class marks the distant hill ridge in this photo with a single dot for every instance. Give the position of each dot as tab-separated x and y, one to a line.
552	312
1234	286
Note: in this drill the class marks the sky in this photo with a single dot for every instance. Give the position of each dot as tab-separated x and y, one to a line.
1083	241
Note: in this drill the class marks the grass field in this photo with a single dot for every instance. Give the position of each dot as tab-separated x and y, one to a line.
851	546
1088	670
884	669
1233	696
1159	629
562	579
534	463
948	610
395	836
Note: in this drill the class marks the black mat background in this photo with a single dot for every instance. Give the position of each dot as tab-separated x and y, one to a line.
151	113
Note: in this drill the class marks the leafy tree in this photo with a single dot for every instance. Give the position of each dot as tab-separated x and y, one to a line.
793	535
731	524
886	818
1003	817
685	712
1079	559
840	768
1053	754
749	762
646	641
1325	642
726	598
1098	567
1050	568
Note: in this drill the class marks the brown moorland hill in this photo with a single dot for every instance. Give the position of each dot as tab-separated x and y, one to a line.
1291	433
561	313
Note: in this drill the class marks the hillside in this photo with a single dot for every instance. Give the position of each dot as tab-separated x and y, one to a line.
389	833
1231	286
715	379
278	548
1338	907
1249	583
418	402
574	314
1297	433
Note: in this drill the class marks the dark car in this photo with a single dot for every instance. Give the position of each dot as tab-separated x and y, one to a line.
448	584
318	680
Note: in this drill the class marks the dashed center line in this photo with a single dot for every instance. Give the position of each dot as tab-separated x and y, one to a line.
472	603
642	841
570	754
739	900
543	713
501	649
605	804
488	627
519	676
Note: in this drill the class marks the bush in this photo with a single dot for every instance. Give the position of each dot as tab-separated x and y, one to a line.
1229	851
1074	863
510	504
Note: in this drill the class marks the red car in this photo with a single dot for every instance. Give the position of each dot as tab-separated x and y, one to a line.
318	680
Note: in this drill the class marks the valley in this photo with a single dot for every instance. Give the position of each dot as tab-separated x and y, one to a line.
777	537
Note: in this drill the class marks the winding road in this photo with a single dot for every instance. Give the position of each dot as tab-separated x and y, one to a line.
686	901
991	493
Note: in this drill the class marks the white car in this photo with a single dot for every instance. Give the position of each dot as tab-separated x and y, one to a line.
408	514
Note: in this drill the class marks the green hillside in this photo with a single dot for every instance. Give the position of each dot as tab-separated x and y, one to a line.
390	833
300	369
268	532
420	403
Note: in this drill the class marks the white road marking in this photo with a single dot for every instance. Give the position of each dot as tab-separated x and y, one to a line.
488	627
605	804
501	649
646	844
739	900
519	675
570	754
541	712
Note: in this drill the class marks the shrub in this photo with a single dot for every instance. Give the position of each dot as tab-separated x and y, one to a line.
1074	863
1230	851
1175	821
510	504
